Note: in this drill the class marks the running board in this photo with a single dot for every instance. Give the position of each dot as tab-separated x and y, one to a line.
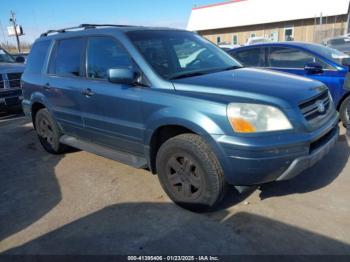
122	157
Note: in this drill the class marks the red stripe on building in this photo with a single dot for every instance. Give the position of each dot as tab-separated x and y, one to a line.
218	4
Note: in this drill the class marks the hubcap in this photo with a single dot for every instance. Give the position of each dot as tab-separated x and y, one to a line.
45	130
184	177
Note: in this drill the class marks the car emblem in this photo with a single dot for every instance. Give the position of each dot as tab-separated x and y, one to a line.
320	107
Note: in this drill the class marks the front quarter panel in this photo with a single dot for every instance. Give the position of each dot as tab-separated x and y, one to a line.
162	108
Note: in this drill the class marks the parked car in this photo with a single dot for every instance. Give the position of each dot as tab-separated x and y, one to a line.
341	43
227	46
256	40
314	61
121	92
10	75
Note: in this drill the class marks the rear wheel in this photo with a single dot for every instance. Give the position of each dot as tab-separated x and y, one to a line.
48	132
345	112
190	173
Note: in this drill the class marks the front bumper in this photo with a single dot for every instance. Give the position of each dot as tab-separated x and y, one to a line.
302	163
259	160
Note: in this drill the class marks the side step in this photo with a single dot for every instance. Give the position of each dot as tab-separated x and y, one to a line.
122	157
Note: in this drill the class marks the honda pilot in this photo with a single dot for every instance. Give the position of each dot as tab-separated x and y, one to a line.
172	102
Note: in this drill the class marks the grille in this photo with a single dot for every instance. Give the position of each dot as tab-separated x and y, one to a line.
316	107
14	80
10	93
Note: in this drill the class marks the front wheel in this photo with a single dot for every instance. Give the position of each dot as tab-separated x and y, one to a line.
190	173
345	112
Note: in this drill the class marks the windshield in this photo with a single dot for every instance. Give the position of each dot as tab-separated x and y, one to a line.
329	53
176	54
5	57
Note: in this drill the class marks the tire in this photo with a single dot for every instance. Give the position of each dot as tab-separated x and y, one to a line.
190	173
345	112
48	132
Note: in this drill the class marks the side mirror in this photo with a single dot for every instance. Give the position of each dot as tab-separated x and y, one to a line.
20	59
313	68
122	76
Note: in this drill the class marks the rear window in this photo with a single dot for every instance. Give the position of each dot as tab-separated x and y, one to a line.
252	57
66	60
37	57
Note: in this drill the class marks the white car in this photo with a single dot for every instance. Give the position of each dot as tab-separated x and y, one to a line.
256	39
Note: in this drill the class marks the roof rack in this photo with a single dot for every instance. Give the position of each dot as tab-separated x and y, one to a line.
82	26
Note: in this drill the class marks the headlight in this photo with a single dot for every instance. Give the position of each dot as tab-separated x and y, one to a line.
252	118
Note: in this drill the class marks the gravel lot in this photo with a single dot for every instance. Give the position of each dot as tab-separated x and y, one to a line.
80	203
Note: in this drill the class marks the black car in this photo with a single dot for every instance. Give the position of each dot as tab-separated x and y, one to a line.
10	81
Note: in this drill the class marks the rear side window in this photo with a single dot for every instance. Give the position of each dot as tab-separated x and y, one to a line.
37	57
66	60
104	53
252	57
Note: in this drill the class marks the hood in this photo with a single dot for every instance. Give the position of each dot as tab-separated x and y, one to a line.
11	68
283	89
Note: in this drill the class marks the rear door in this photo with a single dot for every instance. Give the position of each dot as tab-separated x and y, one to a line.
64	84
112	114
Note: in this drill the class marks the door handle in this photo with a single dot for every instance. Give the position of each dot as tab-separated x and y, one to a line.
87	92
47	86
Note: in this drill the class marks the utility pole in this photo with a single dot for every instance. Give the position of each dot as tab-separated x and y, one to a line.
13	21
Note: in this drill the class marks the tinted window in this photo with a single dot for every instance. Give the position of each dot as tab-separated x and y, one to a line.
339	41
251	57
327	52
105	53
37	57
67	58
291	58
175	54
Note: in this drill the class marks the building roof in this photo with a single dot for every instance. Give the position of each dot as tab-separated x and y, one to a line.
236	13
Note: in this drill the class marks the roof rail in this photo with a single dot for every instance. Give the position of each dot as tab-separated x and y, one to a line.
82	26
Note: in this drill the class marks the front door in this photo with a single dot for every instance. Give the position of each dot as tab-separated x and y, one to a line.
111	112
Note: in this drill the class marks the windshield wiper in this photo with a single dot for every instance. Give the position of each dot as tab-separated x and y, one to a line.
188	75
231	68
199	73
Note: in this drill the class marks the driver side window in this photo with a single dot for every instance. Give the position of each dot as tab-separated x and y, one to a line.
282	57
104	53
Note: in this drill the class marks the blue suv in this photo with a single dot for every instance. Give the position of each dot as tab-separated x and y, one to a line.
172	102
314	61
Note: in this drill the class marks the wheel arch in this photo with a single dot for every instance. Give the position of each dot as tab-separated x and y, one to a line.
35	107
345	96
163	133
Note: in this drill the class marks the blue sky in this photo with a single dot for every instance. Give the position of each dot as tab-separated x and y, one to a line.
37	16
